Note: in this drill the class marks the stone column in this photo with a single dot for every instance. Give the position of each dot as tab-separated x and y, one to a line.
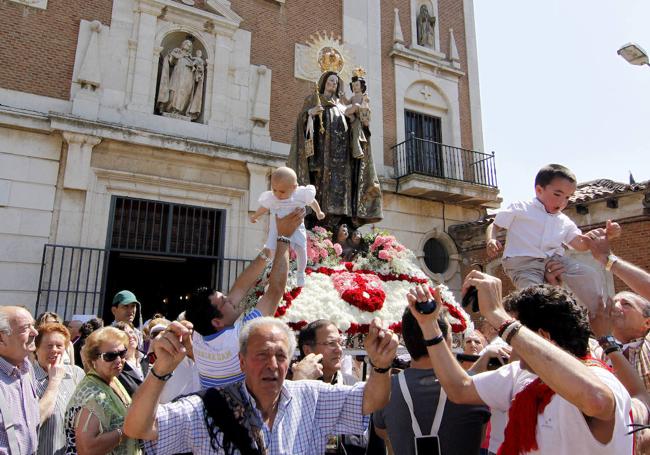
220	100
258	183
142	83
77	163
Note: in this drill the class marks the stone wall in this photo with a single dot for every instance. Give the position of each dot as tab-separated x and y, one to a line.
29	168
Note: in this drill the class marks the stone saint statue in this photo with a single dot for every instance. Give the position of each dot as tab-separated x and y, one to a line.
347	188
181	83
425	26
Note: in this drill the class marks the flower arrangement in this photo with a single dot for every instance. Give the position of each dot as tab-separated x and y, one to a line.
320	249
387	256
351	294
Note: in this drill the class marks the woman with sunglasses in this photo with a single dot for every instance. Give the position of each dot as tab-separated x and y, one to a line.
134	371
95	414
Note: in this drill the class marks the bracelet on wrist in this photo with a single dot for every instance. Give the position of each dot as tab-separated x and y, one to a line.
283	239
504	325
163	377
511	331
378	369
120	433
435	340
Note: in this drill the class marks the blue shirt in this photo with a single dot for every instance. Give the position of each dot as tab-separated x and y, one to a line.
308	411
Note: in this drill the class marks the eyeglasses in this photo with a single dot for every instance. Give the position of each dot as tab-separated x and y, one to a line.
111	356
333	344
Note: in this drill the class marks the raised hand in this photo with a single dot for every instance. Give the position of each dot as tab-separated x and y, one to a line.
172	346
493	248
308	368
381	344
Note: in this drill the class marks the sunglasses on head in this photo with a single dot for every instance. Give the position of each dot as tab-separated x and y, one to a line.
111	356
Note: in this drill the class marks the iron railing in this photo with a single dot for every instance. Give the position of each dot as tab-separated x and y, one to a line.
421	156
73	278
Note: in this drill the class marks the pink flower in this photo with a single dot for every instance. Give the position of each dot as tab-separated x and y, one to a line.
323	253
385	255
328	243
338	249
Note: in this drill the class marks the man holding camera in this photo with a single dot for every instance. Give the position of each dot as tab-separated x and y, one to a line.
558	399
418	410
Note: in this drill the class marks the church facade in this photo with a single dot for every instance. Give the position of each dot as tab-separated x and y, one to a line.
137	135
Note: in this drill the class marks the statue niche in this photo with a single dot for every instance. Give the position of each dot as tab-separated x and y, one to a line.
181	81
425	28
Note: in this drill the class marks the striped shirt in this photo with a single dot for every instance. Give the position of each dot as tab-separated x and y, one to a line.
216	356
51	435
17	388
308	412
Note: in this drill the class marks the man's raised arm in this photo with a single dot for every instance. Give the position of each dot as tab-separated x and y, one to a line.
170	349
269	302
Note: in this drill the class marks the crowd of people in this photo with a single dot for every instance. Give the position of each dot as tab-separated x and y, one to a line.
544	372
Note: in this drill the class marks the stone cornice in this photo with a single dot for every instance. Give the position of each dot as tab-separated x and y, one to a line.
54	121
400	52
141	136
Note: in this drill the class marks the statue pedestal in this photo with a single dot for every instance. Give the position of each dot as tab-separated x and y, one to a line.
177	116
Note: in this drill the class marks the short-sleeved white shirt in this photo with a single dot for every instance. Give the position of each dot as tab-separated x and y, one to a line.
534	232
302	196
561	428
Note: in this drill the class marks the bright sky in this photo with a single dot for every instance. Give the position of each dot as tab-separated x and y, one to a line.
553	89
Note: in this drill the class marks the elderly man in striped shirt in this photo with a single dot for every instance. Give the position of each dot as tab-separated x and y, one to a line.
264	414
19	414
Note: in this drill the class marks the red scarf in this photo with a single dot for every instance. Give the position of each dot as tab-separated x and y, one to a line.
520	433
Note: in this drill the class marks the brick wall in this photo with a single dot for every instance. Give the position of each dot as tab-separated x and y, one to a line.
275	30
633	246
451	16
38	46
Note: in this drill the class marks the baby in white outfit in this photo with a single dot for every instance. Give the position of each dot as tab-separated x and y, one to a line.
285	196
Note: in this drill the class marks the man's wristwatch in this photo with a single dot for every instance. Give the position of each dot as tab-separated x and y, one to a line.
377	369
609	344
611	259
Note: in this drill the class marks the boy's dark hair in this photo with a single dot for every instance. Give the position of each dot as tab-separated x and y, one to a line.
307	335
555	311
200	311
363	83
412	334
552	171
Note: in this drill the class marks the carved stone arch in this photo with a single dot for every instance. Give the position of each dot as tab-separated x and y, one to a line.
453	258
171	36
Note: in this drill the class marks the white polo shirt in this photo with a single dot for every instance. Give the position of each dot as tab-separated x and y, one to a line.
534	232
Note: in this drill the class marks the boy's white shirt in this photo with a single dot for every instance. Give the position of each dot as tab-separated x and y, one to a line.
533	232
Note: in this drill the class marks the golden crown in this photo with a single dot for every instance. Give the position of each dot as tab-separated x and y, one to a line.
330	59
359	72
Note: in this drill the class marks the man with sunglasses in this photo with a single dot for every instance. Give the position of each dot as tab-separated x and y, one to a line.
217	319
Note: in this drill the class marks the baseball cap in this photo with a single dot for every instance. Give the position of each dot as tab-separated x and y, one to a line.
124	298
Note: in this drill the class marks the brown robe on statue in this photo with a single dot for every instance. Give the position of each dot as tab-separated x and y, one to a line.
347	189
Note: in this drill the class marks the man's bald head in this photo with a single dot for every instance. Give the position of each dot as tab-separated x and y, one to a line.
634	316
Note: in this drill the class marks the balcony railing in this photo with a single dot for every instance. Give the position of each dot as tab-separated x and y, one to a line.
424	157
